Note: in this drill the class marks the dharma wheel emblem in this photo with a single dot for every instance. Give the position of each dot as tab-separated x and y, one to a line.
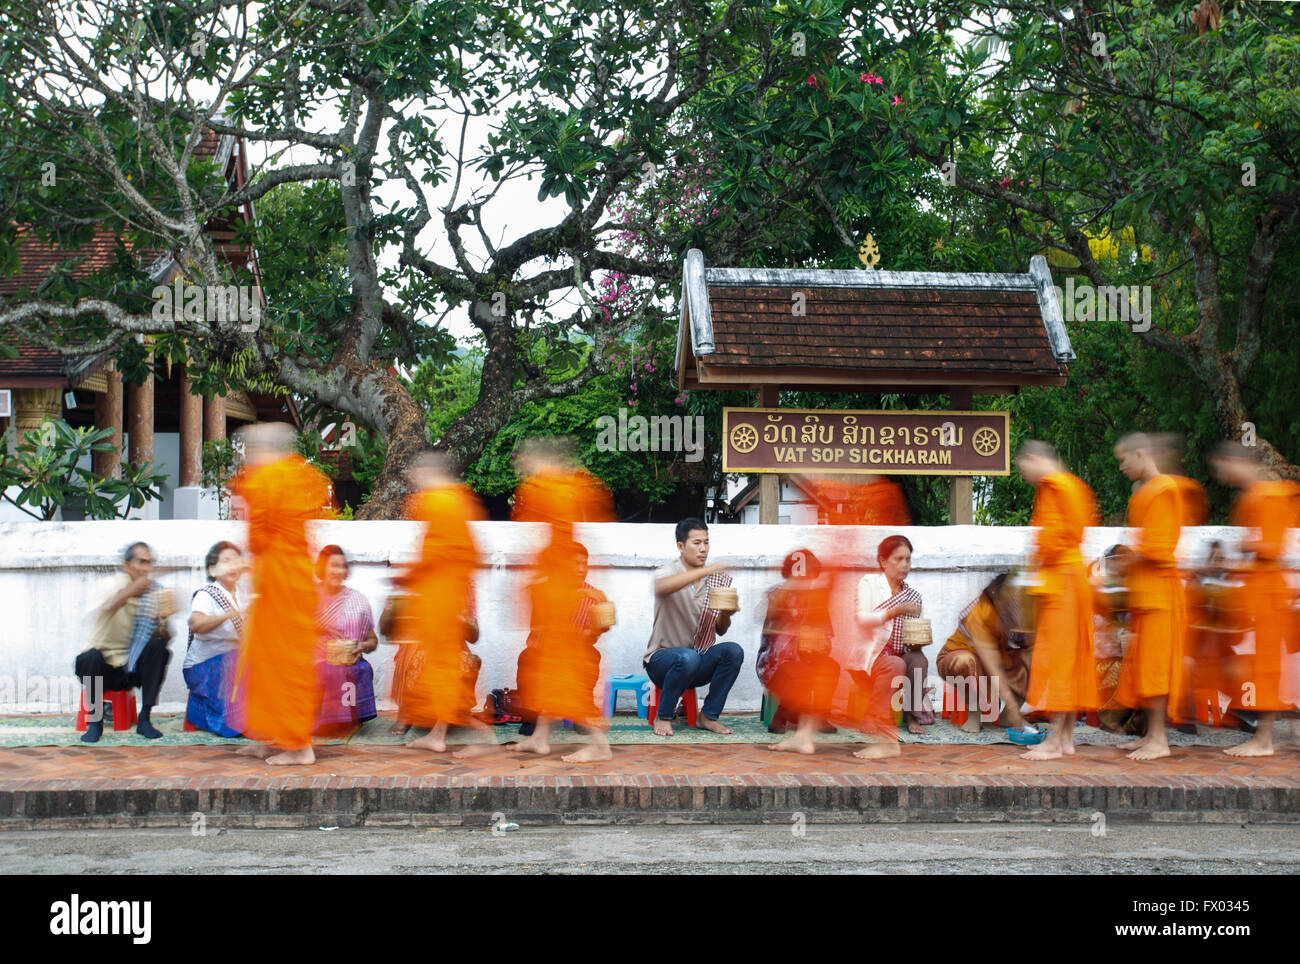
985	441
744	439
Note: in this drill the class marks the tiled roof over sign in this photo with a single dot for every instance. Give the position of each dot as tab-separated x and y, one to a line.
889	327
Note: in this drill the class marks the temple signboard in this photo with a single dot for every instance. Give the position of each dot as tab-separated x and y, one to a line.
815	442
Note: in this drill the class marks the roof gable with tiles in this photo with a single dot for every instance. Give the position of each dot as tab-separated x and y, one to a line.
887	330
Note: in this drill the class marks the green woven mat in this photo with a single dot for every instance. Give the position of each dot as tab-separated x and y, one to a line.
16	731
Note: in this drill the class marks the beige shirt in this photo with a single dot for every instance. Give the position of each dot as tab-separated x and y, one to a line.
111	635
677	615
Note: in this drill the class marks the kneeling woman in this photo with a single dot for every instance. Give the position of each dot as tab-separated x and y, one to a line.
216	621
347	625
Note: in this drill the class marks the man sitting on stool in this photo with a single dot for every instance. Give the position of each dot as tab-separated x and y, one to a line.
682	652
128	645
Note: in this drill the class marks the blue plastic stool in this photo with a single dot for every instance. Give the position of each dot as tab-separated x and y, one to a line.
638	683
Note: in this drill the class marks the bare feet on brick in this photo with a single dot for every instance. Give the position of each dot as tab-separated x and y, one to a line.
304	757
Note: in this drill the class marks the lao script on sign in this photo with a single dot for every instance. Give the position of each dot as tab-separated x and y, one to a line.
865	442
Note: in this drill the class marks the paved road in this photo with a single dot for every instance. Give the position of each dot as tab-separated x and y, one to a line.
932	849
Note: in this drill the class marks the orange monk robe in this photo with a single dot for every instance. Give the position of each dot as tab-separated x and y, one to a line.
439	682
806	677
1155	662
1265	511
1195	508
277	687
878	503
558	679
1063	675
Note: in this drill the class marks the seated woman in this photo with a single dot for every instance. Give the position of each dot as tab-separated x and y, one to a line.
343	616
216	621
1110	624
988	657
884	601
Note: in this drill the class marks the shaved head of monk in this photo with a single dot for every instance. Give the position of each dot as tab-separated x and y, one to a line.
429	469
1036	459
1136	454
1168	449
543	452
267	442
1235	464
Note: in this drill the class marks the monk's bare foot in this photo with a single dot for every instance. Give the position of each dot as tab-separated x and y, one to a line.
1134	744
879	751
795	744
530	745
1151	751
972	724
591	753
913	726
1047	750
474	750
662	728
293	758
257	750
702	722
399	729
429	742
1068	748
1252	747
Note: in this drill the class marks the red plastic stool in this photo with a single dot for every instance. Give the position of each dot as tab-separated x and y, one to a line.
950	711
688	700
1093	719
123	703
189	727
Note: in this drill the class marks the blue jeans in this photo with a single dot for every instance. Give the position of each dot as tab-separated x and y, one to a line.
681	667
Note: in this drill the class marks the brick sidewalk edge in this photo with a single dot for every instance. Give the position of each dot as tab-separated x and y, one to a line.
440	801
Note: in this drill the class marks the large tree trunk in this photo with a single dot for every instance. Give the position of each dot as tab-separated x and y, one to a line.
402	424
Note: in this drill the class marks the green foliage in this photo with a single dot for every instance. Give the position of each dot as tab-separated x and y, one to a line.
44	467
218	466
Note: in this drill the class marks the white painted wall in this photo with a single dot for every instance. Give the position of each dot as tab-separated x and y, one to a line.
47	570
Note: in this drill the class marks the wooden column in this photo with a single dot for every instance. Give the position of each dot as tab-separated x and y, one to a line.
961	491
214	417
108	414
191	434
769	484
139	413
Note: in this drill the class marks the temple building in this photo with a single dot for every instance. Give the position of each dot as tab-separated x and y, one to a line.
158	421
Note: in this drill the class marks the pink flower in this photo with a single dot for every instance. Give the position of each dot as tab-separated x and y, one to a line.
812	79
897	100
871	78
1006	182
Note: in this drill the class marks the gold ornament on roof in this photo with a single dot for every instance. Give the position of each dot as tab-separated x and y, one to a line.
869	253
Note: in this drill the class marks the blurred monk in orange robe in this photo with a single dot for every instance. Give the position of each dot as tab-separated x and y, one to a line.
859	500
277	689
1168	450
1062	675
1155	673
558	680
803	675
1264	510
437	690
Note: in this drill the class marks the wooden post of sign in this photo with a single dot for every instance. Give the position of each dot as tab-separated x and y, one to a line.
769	483
961	509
